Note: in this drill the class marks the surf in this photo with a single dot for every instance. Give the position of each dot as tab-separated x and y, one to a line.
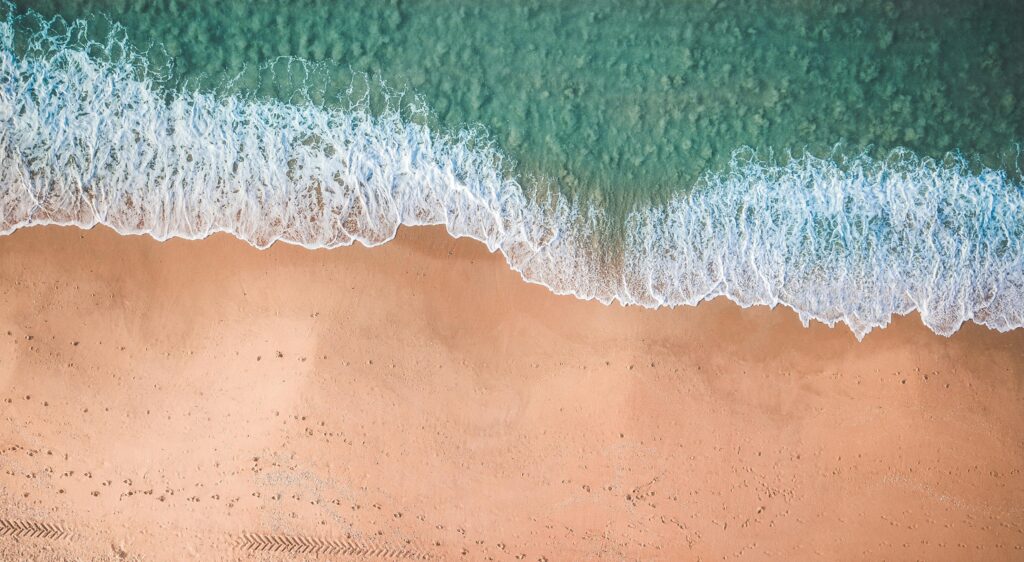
88	137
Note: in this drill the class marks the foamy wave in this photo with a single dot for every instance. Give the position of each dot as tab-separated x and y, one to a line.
87	139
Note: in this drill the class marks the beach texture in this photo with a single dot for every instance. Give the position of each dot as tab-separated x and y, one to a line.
206	400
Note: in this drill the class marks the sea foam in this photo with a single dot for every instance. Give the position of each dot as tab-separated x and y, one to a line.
88	138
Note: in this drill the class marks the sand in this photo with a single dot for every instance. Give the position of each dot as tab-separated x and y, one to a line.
205	400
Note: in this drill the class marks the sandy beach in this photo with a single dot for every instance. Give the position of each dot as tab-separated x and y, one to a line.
205	400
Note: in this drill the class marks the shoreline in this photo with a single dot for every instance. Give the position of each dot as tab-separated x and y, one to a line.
420	396
850	237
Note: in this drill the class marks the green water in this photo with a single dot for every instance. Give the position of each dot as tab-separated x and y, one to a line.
633	100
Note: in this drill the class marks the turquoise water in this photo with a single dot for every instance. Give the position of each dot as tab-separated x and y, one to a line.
852	161
628	99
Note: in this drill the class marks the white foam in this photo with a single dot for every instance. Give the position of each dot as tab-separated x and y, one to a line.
85	141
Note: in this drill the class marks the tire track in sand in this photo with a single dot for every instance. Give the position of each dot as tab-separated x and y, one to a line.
32	529
287	544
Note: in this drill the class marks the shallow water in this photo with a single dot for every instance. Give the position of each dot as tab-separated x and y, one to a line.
627	99
794	153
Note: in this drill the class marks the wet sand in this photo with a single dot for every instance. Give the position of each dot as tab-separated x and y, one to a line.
205	400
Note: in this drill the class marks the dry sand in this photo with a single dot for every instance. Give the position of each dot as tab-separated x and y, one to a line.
209	401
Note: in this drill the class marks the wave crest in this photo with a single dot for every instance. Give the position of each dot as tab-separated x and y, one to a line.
88	139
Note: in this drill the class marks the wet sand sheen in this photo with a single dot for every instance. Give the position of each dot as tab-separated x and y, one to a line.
201	400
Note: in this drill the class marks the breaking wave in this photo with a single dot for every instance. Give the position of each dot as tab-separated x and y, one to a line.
87	138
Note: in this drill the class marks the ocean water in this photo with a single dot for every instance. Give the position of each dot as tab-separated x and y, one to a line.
850	161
